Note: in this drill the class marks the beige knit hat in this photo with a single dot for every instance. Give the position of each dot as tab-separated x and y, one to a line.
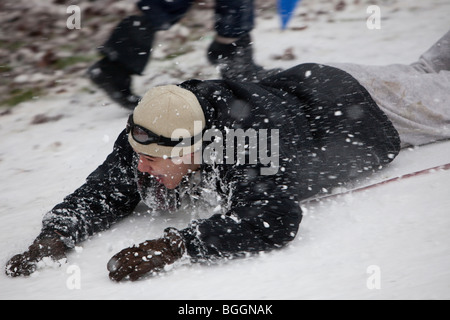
171	112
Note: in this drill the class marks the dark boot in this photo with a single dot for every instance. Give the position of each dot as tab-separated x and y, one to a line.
235	61
115	80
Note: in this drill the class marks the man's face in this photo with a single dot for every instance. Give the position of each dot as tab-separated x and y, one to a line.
166	171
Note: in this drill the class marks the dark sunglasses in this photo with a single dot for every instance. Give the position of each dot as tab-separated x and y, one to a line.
144	136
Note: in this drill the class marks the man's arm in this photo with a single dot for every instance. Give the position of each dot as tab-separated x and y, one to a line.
264	214
109	194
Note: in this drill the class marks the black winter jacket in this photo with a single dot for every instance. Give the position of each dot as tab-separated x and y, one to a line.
330	131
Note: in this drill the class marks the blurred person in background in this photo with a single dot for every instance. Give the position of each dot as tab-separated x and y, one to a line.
128	49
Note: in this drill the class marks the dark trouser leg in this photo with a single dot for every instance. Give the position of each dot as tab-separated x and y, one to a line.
164	13
127	51
235	19
130	44
131	41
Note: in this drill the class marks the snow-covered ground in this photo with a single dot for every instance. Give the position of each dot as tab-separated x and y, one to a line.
390	242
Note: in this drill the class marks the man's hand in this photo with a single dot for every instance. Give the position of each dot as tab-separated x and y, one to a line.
148	257
26	263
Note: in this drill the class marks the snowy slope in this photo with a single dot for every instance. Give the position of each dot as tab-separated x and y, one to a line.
401	228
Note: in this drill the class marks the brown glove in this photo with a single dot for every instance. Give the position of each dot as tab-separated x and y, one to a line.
148	257
26	263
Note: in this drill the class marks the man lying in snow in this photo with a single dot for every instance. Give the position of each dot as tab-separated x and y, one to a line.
262	147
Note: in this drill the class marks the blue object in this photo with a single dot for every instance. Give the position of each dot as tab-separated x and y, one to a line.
285	10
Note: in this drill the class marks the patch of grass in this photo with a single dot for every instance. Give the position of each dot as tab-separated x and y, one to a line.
11	44
63	63
5	68
177	53
21	95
